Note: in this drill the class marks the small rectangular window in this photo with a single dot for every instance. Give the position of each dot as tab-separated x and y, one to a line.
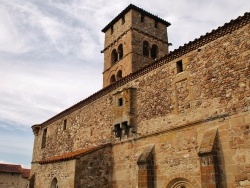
156	24
179	66
142	17
44	138
120	101
123	20
118	131
112	29
65	124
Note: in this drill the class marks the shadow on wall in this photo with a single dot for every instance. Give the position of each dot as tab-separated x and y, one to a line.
94	169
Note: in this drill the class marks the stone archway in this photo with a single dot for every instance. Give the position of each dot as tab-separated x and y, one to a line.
54	183
180	183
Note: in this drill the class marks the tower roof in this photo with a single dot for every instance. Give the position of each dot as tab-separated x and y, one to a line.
131	6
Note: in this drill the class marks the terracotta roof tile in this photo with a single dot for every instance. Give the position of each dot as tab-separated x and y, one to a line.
26	173
72	155
10	168
13	168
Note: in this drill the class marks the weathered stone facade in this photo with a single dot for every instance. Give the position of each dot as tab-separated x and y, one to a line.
128	31
180	121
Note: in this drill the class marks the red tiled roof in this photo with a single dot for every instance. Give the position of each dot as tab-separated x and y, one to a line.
10	168
71	155
26	173
13	168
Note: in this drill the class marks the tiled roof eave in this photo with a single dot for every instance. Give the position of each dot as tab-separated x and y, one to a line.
72	155
14	172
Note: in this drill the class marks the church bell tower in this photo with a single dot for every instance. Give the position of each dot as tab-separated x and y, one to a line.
133	39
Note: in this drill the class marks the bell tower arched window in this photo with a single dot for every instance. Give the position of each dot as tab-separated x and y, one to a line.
114	57
146	48
120	51
112	79
154	51
119	75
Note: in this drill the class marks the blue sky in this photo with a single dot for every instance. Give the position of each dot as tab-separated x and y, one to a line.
50	55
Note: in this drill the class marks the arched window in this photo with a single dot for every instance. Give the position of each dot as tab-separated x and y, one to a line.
54	183
112	79
180	183
114	56
120	52
154	51
119	75
146	48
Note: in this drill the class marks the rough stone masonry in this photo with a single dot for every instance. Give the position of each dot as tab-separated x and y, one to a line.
162	120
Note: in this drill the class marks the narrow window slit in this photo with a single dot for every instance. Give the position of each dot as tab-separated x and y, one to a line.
120	101
65	124
179	66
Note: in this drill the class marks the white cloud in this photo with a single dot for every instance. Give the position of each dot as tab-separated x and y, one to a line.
35	91
10	39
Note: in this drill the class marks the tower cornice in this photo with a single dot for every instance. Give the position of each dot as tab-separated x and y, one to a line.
130	7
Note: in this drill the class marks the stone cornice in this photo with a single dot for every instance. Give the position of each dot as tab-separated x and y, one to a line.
119	16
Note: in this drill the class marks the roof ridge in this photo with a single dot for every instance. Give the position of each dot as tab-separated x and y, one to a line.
16	168
191	45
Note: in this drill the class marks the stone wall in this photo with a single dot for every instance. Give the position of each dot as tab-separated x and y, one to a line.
173	113
63	172
176	155
13	180
94	169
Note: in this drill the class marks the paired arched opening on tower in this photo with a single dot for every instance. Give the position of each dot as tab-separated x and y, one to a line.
146	48
114	56
117	55
116	77
154	51
150	51
112	79
120	52
119	75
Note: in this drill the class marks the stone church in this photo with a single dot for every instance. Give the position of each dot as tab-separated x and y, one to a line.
163	119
